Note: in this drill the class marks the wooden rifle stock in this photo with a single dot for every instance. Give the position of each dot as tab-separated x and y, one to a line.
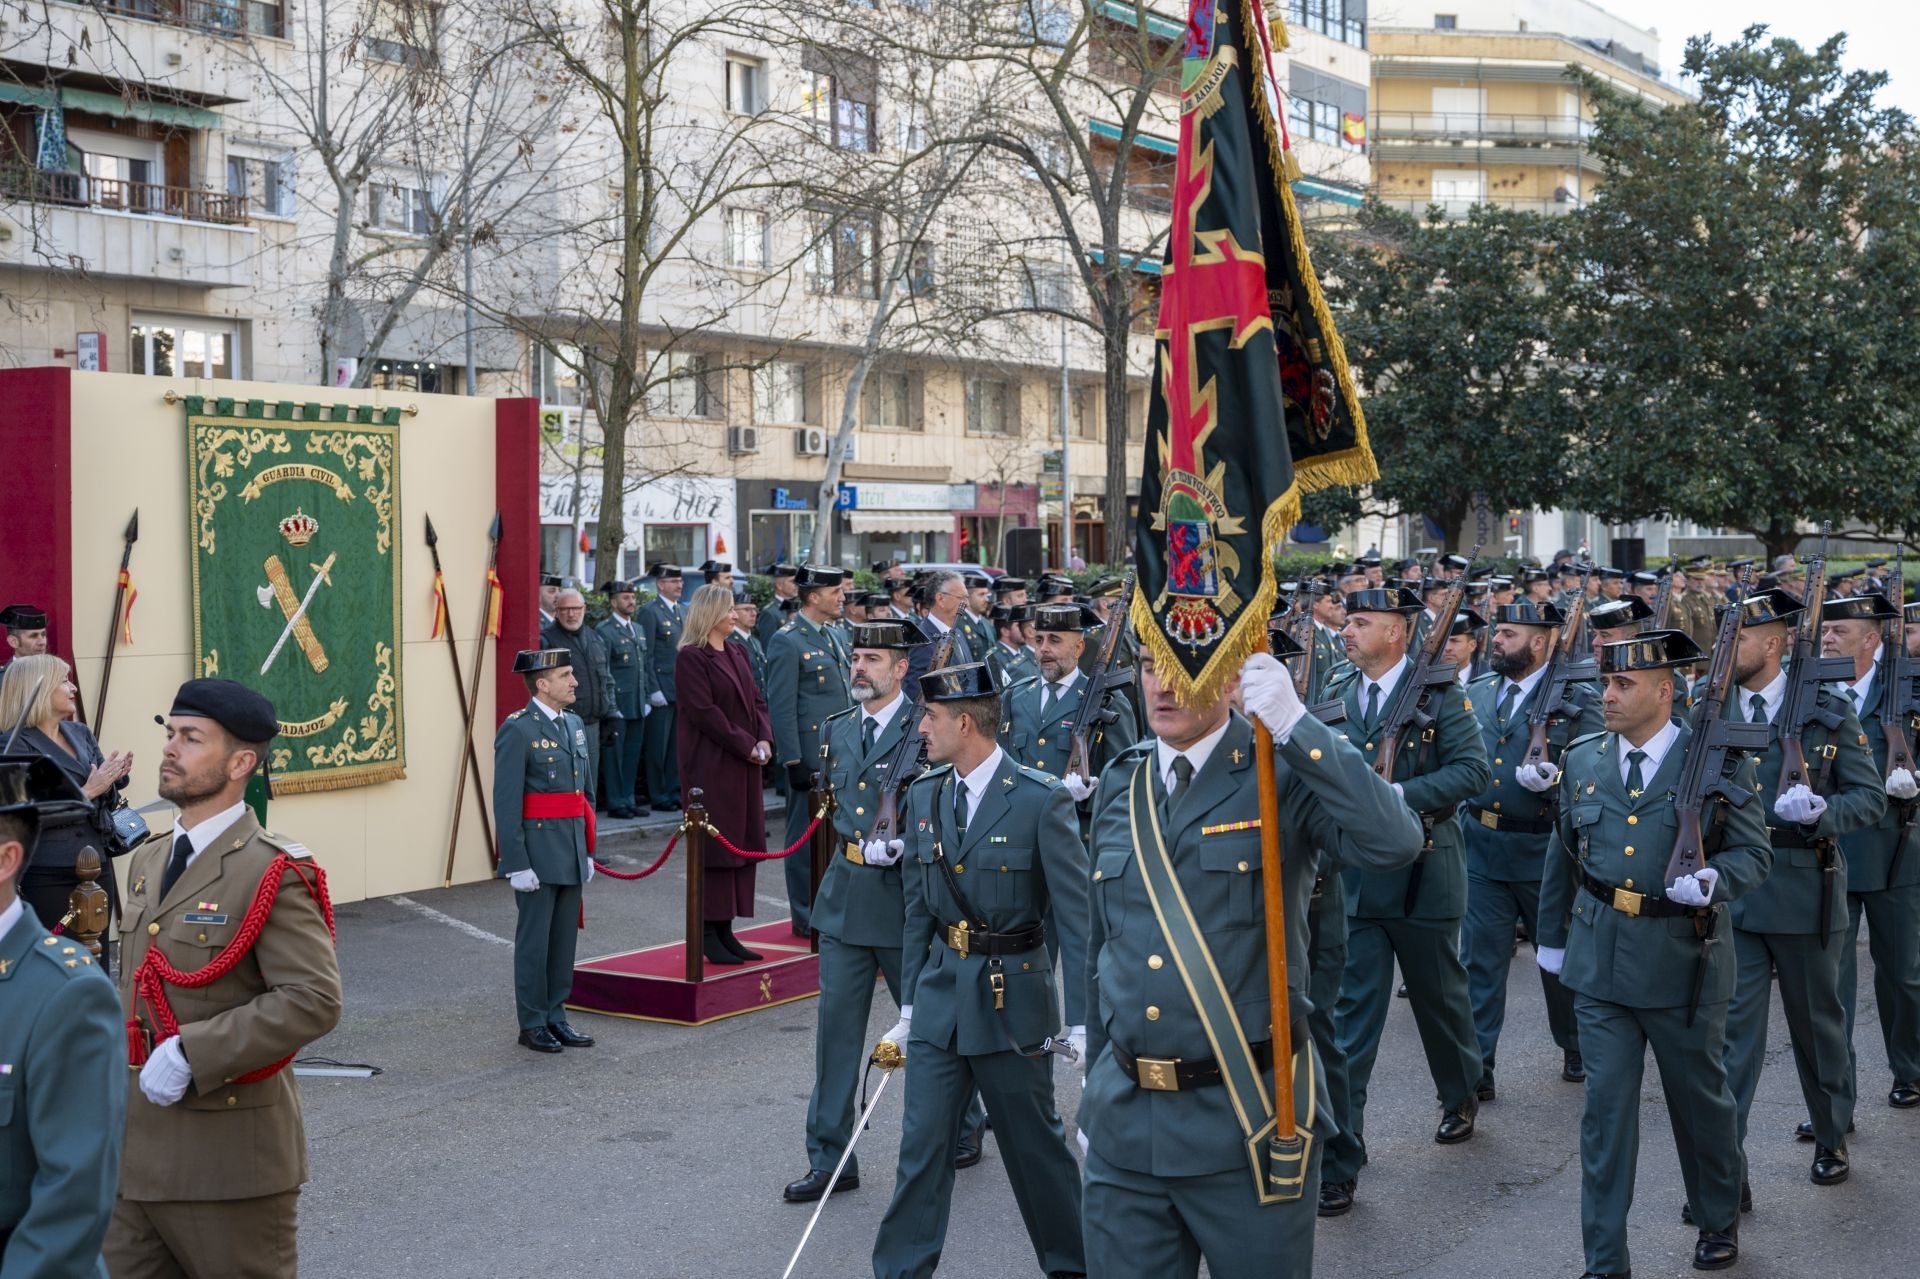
1714	738
1102	679
1559	674
900	766
1804	673
1412	692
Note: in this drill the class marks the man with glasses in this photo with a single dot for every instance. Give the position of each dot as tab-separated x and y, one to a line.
945	594
592	666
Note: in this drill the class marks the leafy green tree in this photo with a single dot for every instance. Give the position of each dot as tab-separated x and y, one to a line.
1741	299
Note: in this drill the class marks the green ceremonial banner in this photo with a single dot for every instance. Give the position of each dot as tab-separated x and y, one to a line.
296	578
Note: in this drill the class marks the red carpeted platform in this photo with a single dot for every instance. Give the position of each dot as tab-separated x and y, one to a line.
651	984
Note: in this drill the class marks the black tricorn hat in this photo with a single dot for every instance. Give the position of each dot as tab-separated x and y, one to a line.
876	599
1614	573
1628	610
974	579
23	617
1279	643
883	567
1528	613
1004	613
1531	574
1369	560
893	632
1644	577
551	579
1059	617
1871	606
663	572
712	567
1007	585
1454	561
1383	599
1876	563
1913	611
1054	583
529	661
960	683
1770	605
1428	585
617	587
1466	622
248	715
818	575
1650	651
1107	588
783	570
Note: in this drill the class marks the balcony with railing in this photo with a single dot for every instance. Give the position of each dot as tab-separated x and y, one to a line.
1459	207
114	228
1480	126
237	18
19	182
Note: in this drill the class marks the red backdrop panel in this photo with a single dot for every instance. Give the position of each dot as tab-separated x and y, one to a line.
516	435
36	541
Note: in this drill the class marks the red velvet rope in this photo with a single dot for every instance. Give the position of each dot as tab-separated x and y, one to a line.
156	972
658	862
788	851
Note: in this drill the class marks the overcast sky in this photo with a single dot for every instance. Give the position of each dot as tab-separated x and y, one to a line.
1881	34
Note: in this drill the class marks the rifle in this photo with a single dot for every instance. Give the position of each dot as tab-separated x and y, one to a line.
1800	707
1898	706
1102	679
1717	745
1564	669
1408	708
902	764
1663	598
1298	628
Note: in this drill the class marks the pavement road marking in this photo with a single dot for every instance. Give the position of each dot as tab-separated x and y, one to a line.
441	917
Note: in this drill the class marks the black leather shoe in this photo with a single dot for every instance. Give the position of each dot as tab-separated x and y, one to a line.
1746	1203
716	950
1456	1125
1483	1091
1715	1251
1904	1096
1336	1198
624	813
1401	993
1830	1167
1608	1274
969	1152
1803	1131
1573	1069
814	1184
541	1040
725	932
568	1036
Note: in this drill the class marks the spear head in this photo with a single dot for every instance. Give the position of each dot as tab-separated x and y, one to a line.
493	530
433	538
133	528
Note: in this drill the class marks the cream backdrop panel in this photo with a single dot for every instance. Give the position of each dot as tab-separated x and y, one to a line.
373	840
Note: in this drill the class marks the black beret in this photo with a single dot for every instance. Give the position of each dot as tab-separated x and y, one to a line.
232	705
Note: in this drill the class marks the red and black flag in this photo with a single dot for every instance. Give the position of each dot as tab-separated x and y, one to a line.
1252	402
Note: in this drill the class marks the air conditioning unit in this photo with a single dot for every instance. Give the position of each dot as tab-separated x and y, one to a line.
810	441
743	439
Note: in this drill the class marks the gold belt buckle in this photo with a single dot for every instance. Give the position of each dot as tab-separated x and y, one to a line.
957	937
1627	903
1158	1074
1489	819
854	854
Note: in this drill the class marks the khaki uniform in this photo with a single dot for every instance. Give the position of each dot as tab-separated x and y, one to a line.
208	1185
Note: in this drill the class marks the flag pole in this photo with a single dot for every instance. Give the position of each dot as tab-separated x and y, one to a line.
1278	1002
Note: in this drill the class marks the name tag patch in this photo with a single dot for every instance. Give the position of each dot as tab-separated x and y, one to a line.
996	839
202	917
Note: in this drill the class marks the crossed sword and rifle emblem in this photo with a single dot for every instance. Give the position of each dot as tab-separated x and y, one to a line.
280	591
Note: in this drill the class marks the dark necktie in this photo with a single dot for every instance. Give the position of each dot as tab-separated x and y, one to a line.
866	734
1757	709
1182	776
182	850
1052	698
1373	703
1506	703
1635	782
959	810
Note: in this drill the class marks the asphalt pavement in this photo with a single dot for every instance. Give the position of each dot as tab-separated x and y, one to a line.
660	1152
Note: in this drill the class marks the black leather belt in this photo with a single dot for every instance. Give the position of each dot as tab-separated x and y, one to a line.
1180	1074
1788	837
1628	902
1500	821
966	940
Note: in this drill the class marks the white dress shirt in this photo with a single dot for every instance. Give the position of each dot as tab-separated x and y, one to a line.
1773	694
882	717
201	836
11	916
1656	748
1197	754
1861	687
1387	681
1048	694
976	781
1526	683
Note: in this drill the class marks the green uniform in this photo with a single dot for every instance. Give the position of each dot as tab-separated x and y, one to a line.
1168	1179
1778	928
1412	914
537	753
1038	727
1633	979
1883	884
979	633
63	1103
1329	661
661	621
1506	828
629	662
1011	665
756	656
807	680
1020	855
769	622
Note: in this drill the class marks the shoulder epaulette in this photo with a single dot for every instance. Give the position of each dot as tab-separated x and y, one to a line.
1584	738
516	715
1488	678
839	714
67	956
285	845
1019	684
1034	774
1342	675
933	774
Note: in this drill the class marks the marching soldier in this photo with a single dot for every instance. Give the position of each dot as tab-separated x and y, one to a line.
662	619
977	618
61	1045
1010	590
1167	1154
1010	659
783	590
1507	827
1789	923
1647	967
542	811
1465	638
630	662
991	847
1883	865
1616	621
1040	712
216	1153
808	674
1411	914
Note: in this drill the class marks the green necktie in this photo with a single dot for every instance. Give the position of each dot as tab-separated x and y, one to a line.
1636	784
959	810
1182	777
1373	704
867	734
1052	698
1757	709
1506	702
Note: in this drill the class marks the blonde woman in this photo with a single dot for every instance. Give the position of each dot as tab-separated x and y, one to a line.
37	697
724	736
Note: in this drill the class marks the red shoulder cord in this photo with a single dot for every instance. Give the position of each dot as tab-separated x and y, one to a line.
156	972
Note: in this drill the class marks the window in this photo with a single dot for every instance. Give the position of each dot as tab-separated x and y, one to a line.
1459	110
780	393
267	183
1445	21
184	348
920	273
746	84
1045	22
747	238
1318	104
675	543
557	372
886	401
400	209
684	388
1085	408
909	133
840	97
1136	416
844	257
1463	186
404	32
990	408
410	375
1045	286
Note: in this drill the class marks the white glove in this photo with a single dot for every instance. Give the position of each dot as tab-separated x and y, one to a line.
165	1077
1800	804
1077	1039
656	698
524	881
882	852
1266	686
1900	784
1550	958
591	870
646	709
1077	786
1538	778
901	1029
1080	1135
1695	889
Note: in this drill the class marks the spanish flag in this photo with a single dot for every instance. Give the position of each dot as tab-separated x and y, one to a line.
1354	129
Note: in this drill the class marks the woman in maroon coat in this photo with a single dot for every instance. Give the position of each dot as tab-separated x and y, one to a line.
724	736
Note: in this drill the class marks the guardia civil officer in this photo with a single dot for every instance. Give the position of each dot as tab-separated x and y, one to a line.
1168	1174
1507	825
977	618
808	669
1883	862
26	631
1793	924
770	619
1011	660
1412	914
629	662
1648	962
542	806
1041	712
990	847
62	1046
662	619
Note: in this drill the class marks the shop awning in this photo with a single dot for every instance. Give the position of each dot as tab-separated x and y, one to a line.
899	522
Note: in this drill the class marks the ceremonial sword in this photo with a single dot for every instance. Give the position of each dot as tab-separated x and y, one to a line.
888	1057
298	613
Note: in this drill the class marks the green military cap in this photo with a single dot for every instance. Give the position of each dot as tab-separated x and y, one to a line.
1628	610
1869	607
960	683
1700	561
1649	651
893	632
1383	599
529	661
1528	613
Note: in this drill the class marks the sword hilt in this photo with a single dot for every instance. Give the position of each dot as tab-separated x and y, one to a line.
887	1055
